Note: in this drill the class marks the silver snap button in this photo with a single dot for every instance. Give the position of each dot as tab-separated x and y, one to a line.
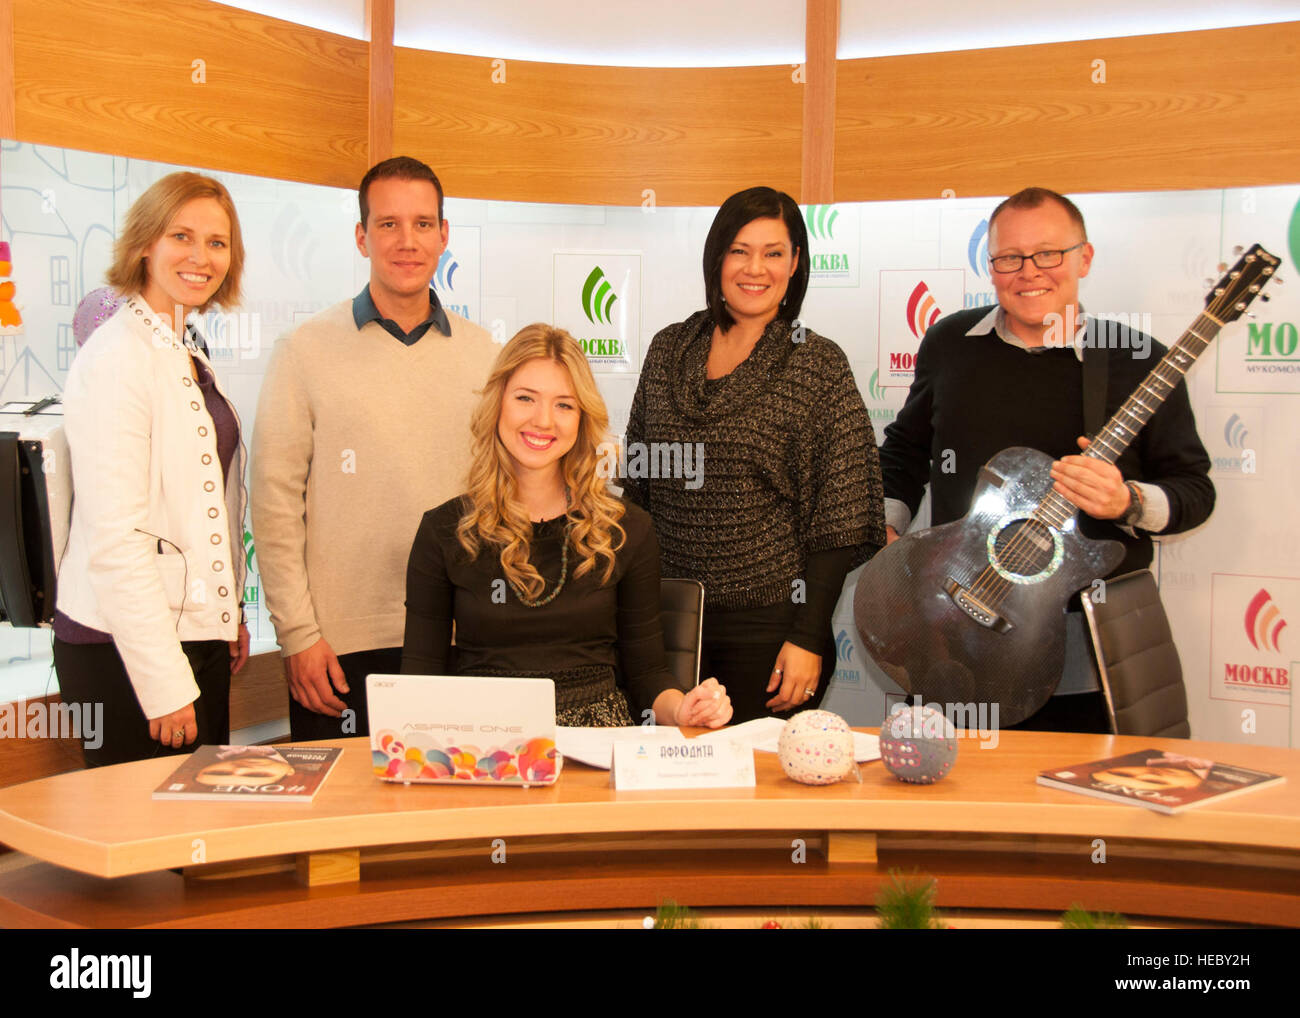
216	538
206	459
209	486
217	567
194	404
212	513
203	431
222	591
187	380
225	616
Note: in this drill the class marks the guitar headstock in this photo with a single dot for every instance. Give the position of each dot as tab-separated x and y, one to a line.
1234	292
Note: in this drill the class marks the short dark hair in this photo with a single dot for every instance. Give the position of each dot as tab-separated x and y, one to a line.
1034	197
400	168
736	213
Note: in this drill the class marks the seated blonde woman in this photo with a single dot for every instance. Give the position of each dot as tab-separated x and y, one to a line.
542	570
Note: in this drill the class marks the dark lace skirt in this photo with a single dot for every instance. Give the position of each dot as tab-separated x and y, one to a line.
585	697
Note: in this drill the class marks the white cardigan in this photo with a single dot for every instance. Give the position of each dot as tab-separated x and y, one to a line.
155	552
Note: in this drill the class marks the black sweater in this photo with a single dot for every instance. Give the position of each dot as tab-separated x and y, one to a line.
976	395
790	467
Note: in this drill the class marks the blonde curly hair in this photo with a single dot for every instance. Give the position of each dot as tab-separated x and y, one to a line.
495	517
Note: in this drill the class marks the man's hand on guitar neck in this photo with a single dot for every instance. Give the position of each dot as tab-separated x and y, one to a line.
1095	486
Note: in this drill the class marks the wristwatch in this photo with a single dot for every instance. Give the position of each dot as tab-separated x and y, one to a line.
1134	511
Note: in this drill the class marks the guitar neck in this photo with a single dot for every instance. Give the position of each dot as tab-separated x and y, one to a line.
1111	441
1226	302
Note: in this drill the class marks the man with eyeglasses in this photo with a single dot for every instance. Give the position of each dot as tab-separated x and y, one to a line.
988	379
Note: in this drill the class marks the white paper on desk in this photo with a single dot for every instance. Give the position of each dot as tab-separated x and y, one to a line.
595	746
763	735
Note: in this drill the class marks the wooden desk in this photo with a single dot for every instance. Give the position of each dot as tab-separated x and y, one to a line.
367	852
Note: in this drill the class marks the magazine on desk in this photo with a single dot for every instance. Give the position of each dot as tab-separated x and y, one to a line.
243	773
1164	782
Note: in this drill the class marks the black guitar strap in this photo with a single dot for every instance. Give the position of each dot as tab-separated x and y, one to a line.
1094	385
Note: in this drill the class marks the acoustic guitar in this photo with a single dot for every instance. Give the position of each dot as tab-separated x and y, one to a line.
973	611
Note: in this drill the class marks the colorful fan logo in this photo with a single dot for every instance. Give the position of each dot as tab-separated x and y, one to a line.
598	297
1234	432
821	221
922	310
1264	622
447	266
977	250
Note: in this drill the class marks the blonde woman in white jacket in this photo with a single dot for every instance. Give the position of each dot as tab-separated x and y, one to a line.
148	627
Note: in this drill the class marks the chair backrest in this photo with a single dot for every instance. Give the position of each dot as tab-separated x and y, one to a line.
681	613
1141	676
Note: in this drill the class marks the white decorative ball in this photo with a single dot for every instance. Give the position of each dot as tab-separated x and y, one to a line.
816	747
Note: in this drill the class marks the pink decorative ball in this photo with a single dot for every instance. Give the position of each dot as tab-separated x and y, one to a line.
816	748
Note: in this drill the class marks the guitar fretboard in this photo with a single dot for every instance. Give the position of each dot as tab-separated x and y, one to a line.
1111	441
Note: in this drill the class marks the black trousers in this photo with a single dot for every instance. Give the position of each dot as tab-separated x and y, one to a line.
308	726
740	650
92	674
1078	712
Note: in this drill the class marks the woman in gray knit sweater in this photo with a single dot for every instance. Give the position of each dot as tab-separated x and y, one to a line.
783	496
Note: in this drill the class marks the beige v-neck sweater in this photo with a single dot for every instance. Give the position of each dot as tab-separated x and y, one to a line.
357	436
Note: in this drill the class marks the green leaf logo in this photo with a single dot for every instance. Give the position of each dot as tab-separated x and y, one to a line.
821	221
598	297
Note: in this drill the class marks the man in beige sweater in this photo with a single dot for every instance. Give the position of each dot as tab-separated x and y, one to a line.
362	426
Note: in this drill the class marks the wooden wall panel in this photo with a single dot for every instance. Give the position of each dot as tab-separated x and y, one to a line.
277	99
821	40
1187	110
598	135
379	31
7	128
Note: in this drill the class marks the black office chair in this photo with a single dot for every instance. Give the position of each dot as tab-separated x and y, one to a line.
681	613
1141	676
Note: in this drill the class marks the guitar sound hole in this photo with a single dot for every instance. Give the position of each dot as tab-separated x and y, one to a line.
1024	548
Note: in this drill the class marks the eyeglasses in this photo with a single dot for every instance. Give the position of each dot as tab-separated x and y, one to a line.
1043	259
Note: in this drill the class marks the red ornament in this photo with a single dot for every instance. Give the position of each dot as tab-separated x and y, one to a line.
771	924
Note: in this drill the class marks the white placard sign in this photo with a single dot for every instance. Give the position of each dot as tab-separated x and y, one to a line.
672	761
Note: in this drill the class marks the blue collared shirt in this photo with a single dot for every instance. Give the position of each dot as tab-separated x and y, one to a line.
364	310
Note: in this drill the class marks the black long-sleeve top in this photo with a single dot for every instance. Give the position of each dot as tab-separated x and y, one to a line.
588	627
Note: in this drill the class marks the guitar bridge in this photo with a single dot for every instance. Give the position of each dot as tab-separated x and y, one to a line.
975	608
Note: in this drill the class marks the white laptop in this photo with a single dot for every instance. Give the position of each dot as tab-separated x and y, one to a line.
454	729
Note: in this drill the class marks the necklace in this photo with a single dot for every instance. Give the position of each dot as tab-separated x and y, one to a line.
564	569
564	573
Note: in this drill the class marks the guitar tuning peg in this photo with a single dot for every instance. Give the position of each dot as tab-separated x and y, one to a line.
1238	249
